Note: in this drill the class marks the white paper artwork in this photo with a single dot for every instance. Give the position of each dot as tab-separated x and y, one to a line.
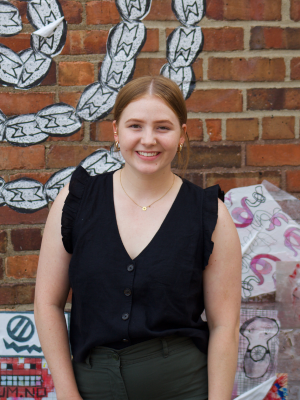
10	20
267	235
258	349
18	335
259	392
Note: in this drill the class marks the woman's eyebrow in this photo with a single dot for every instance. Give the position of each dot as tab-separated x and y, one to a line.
157	122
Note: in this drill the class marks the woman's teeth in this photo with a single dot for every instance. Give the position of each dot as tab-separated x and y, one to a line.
147	154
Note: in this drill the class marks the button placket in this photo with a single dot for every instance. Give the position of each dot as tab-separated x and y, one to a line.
127	293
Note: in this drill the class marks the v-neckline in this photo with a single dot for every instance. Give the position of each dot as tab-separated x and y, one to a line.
156	233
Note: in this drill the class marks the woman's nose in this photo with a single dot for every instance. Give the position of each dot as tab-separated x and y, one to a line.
148	137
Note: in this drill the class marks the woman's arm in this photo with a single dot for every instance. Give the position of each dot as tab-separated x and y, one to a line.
52	288
222	298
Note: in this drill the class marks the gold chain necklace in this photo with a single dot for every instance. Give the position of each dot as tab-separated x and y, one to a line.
145	207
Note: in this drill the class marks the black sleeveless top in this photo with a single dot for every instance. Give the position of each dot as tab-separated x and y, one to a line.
117	301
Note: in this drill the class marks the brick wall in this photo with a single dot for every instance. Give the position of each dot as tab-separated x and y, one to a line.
243	115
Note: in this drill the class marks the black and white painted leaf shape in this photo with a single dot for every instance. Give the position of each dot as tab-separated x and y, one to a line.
189	12
24	195
2	183
133	10
183	76
2	125
183	46
10	20
58	120
52	45
36	67
116	74
96	102
42	12
99	162
23	131
57	182
11	66
126	40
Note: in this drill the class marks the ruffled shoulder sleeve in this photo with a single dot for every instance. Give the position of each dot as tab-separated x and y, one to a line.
210	216
77	185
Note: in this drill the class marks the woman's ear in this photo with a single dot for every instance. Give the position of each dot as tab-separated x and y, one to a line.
183	134
115	130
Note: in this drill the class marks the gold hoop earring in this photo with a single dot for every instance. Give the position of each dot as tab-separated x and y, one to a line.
117	146
179	148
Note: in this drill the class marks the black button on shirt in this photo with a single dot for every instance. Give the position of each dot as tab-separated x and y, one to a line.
166	277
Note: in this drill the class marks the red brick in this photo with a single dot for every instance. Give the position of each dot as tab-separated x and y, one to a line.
26	239
102	131
18	42
217	156
229	181
214	129
215	100
22	7
3	241
72	11
278	128
95	42
257	10
148	66
67	156
195	129
160	11
50	78
22	266
75	73
215	9
11	293
1	270
38	176
293	181
11	217
198	69
242	129
252	70
70	98
152	41
273	99
102	12
295	10
25	103
22	157
223	39
295	68
275	38
273	155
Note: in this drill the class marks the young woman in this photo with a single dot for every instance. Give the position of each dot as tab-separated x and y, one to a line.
143	251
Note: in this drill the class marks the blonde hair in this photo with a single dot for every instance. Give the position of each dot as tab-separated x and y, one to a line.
165	89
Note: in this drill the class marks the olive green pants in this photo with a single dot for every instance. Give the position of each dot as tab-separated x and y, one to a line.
169	368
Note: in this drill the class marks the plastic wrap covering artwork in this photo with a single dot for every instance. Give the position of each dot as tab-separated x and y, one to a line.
24	372
267	221
258	349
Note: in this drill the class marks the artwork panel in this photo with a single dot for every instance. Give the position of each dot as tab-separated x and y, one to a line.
116	74
58	120
279	390
51	45
57	182
183	76
258	349
133	10
42	12
36	66
100	162
24	131
10	19
189	12
11	66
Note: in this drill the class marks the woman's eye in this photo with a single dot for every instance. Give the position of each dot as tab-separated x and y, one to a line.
164	128
135	126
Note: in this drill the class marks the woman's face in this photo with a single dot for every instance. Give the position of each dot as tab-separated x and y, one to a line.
149	133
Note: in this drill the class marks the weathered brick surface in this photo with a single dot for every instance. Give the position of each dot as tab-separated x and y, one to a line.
11	293
26	239
293	181
102	131
251	70
218	156
274	38
102	12
273	99
24	103
67	156
72	11
1	269
3	241
229	181
295	68
295	10
75	73
161	11
273	155
214	129
22	157
21	266
17	43
215	100
223	39
242	129
38	176
11	217
278	128
195	129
